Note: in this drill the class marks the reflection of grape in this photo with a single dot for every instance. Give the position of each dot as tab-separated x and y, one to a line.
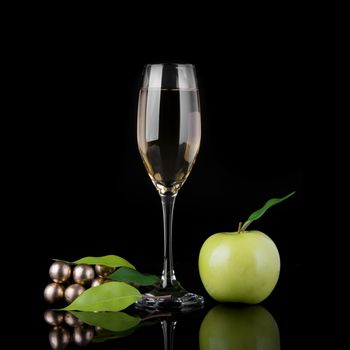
59	338
53	318
65	328
82	336
72	321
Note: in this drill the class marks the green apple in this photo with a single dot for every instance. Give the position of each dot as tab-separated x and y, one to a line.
248	328
239	267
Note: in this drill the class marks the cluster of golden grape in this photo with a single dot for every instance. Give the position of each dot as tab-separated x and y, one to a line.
68	283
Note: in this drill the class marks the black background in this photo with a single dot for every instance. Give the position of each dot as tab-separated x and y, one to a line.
83	190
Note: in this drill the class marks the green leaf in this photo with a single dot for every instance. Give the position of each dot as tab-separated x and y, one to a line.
107	260
107	335
111	296
260	212
100	338
112	321
125	274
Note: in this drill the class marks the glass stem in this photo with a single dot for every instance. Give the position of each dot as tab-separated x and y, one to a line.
168	328
168	274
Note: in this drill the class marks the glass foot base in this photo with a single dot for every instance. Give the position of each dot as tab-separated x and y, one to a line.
170	300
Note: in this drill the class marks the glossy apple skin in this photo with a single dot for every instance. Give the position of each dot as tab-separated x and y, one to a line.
248	328
239	267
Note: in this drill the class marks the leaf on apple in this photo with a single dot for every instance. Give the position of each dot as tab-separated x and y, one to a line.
260	212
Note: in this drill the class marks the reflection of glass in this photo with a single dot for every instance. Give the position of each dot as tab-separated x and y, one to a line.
168	328
248	328
168	136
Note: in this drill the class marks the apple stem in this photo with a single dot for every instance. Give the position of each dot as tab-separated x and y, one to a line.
246	224
239	227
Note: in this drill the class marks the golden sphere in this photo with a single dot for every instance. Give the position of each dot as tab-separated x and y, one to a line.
53	318
82	336
59	338
83	274
103	271
72	292
59	271
97	282
53	292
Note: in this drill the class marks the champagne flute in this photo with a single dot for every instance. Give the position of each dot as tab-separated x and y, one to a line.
168	136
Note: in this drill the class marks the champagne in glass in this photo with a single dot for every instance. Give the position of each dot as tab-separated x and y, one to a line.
168	135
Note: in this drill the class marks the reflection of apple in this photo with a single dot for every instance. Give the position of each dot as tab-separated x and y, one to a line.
239	266
248	328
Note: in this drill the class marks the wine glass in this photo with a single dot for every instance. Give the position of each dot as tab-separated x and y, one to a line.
168	136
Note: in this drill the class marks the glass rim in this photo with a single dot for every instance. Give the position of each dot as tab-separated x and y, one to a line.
175	64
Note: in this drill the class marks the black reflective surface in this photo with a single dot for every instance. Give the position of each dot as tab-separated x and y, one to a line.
216	326
280	322
222	327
